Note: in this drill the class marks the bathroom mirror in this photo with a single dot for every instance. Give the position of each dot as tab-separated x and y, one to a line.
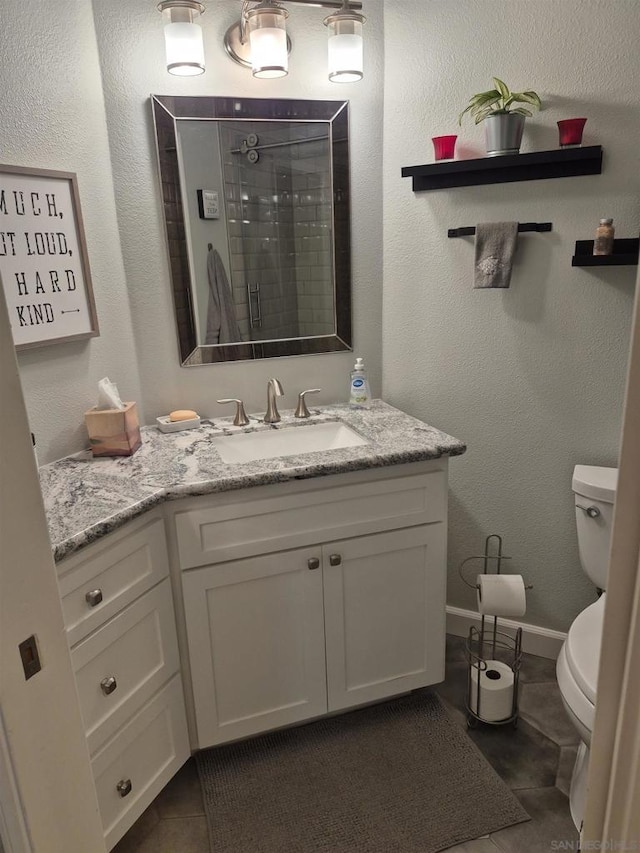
256	204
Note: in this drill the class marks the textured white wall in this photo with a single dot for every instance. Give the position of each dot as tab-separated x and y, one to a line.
532	377
131	49
52	116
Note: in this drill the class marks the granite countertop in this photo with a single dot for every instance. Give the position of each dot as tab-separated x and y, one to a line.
86	498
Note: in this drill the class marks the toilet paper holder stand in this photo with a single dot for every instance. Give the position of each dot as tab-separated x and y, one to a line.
487	644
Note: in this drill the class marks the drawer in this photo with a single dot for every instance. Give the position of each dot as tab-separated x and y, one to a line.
137	649
141	759
119	569
236	528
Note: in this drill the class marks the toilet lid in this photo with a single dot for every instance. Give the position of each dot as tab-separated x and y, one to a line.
583	647
595	482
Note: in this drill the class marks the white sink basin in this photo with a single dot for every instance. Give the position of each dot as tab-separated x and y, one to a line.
287	441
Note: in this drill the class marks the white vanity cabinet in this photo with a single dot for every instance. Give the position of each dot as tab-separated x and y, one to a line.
310	597
119	615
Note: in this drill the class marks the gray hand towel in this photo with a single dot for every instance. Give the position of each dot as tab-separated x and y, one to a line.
222	325
495	247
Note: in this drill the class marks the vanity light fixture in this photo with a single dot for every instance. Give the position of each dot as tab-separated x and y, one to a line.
267	29
183	36
346	54
259	40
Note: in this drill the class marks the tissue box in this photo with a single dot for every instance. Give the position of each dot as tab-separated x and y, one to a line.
113	432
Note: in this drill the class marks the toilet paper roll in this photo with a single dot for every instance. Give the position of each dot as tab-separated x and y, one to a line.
496	691
501	595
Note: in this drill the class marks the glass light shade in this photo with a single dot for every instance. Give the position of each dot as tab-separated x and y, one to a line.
268	40
346	53
183	40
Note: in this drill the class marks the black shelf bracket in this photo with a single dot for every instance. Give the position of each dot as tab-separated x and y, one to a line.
625	253
561	163
522	226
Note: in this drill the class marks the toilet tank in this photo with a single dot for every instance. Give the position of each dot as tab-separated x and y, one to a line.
595	491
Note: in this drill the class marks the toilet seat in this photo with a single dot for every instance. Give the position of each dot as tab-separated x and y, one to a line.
577	667
578	707
583	647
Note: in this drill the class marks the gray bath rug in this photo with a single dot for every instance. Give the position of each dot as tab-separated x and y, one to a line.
400	777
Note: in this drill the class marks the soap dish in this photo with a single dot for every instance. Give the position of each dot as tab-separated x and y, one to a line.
166	425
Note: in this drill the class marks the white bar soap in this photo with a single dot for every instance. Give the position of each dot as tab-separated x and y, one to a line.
165	424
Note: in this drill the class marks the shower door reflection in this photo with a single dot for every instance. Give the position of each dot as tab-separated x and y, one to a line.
278	212
273	236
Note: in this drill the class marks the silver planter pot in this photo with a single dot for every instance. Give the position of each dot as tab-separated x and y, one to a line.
503	133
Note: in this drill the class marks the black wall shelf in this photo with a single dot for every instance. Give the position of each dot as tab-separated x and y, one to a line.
625	253
561	163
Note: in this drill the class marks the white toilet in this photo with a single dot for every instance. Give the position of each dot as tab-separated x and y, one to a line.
577	667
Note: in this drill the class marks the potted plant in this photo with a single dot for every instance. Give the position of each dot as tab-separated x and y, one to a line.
504	122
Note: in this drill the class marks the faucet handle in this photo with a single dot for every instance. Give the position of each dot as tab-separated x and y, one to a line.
302	411
241	418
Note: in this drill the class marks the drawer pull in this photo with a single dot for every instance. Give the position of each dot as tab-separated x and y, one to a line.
124	787
335	559
93	597
108	685
313	563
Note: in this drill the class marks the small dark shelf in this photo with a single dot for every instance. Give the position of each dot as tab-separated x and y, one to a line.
561	163
625	253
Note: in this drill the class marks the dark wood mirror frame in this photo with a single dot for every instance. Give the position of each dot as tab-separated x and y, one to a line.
170	109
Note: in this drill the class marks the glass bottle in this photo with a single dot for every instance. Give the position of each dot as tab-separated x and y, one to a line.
603	243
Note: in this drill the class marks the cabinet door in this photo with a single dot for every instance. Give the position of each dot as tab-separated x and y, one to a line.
256	644
384	599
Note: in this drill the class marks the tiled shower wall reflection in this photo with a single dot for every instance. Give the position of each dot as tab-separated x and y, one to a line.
279	216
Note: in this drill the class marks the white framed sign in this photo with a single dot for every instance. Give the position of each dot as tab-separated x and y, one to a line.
208	204
43	258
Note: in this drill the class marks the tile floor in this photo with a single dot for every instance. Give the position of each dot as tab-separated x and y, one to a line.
535	760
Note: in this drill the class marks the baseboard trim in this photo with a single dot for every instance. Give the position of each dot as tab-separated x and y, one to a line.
543	642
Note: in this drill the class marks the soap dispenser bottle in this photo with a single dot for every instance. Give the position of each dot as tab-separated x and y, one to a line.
360	393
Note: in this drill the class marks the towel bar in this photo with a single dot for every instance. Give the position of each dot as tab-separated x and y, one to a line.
522	226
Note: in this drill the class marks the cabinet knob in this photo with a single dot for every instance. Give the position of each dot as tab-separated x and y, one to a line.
335	559
313	563
124	787
108	685
93	597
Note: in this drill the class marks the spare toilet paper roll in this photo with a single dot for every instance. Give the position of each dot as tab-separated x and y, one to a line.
501	595
496	691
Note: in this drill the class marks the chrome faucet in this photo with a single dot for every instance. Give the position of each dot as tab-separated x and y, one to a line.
274	389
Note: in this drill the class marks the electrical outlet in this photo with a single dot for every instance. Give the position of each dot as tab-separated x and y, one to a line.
30	657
